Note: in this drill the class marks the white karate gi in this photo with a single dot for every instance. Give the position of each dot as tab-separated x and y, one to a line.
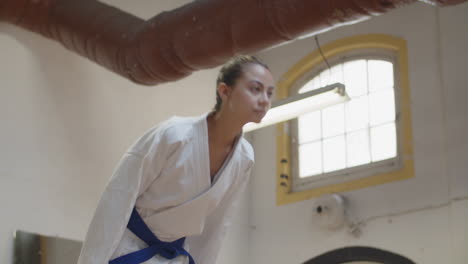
166	175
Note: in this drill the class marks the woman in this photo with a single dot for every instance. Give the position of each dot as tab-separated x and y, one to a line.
171	196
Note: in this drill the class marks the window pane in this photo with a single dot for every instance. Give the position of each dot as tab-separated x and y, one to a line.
310	85
324	77
310	159
358	148
333	120
355	76
309	127
336	74
334	157
382	107
380	74
354	133
357	113
383	142
316	83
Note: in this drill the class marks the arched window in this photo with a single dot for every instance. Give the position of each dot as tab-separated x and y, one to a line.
349	137
362	142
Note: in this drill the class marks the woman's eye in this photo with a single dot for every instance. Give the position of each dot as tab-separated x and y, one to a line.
256	89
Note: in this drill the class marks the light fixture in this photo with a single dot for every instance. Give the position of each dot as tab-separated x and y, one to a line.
302	103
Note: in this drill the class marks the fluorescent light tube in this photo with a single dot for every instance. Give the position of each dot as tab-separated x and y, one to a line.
299	104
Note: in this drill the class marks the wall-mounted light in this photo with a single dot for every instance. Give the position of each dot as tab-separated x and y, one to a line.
299	104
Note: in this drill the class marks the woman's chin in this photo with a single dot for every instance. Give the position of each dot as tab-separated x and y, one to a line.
257	120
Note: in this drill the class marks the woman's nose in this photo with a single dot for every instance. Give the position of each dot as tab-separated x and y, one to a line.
264	99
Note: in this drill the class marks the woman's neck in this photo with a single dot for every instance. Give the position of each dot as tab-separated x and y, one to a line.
223	129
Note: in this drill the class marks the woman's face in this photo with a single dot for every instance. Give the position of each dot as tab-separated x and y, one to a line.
250	98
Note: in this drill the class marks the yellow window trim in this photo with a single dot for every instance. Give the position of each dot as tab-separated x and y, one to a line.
284	195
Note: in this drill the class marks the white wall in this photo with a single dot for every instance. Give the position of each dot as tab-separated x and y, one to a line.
437	41
65	123
454	53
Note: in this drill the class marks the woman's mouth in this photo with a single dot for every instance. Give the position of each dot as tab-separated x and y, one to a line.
262	112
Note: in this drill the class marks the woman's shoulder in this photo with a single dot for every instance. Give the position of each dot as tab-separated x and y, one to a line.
246	149
178	127
172	131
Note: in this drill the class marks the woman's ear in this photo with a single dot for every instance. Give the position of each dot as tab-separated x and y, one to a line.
224	91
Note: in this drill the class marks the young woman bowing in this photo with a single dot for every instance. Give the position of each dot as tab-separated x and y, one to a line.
171	197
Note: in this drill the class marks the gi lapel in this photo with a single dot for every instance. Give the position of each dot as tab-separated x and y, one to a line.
200	207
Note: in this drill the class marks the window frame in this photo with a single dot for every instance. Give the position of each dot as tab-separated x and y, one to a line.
305	68
355	172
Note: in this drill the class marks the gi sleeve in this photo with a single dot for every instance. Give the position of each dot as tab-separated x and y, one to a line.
141	165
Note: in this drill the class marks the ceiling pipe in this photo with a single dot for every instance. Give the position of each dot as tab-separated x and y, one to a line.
443	3
199	35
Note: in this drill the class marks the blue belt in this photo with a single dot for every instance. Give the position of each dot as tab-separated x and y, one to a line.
168	250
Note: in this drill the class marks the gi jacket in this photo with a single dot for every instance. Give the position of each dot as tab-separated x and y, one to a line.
166	175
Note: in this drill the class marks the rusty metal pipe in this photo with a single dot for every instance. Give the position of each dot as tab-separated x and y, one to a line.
199	35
